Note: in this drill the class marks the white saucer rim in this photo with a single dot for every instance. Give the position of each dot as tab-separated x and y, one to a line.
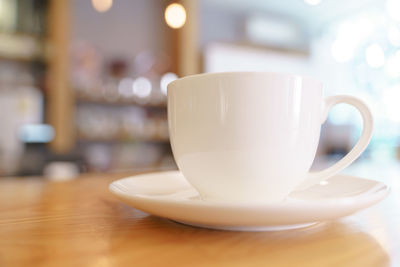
237	228
218	215
379	191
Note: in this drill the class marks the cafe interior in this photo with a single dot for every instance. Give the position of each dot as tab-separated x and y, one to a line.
83	86
83	83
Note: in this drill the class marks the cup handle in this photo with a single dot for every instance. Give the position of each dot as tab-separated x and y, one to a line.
316	177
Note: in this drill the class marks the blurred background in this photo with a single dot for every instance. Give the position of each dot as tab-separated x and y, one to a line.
83	82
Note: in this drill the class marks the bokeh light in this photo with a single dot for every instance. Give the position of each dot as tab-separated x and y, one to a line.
165	80
312	2
341	51
102	5
350	34
375	56
393	9
392	66
125	87
142	87
394	35
175	15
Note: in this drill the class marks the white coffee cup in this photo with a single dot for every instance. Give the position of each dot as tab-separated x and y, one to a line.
252	136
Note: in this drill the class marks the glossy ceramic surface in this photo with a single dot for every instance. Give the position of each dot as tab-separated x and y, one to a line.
169	195
252	137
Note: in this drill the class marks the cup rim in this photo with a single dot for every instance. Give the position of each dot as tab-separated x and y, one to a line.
228	73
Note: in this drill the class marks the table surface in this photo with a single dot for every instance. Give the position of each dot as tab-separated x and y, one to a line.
79	223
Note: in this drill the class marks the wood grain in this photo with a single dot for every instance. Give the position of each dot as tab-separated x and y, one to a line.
79	223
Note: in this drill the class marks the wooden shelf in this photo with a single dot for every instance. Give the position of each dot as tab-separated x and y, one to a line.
122	140
20	47
100	101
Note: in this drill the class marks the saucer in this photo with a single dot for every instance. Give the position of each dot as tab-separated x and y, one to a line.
169	195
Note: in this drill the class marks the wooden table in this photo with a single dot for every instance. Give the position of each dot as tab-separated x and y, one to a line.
79	223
